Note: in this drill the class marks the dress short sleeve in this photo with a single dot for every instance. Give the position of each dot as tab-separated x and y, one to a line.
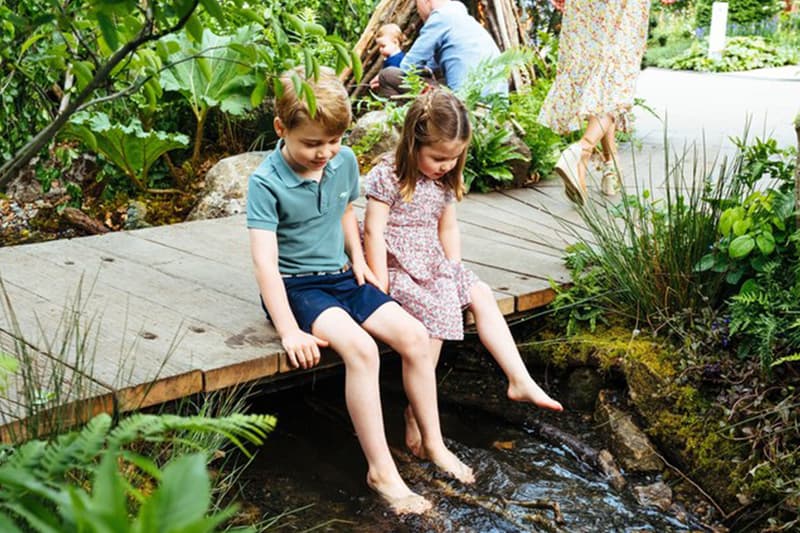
449	196
381	182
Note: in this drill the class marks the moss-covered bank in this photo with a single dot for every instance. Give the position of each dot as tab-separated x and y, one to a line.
684	421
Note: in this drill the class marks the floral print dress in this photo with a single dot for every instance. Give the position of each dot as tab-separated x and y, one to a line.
599	58
431	287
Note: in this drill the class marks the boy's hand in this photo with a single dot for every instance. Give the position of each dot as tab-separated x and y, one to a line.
374	84
363	273
302	349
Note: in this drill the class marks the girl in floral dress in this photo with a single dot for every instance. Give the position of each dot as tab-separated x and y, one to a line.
413	246
599	58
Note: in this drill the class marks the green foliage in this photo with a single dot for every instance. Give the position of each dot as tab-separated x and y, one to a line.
740	53
543	142
579	304
488	157
90	480
8	366
129	147
740	11
765	318
757	224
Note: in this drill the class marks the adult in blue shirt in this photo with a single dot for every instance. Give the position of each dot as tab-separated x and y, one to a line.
450	40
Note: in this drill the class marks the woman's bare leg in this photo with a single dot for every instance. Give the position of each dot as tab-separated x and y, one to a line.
596	130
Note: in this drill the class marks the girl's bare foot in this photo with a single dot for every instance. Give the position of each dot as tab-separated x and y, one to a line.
530	391
400	498
447	461
413	435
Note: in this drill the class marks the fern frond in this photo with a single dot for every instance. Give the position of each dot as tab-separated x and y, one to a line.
75	449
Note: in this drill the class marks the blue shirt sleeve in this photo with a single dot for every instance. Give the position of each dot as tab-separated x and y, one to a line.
423	51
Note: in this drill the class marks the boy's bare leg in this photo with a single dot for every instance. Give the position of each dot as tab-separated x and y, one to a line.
413	435
407	336
360	355
496	337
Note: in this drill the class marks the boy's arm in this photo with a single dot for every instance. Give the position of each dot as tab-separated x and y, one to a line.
352	245
449	234
301	348
374	241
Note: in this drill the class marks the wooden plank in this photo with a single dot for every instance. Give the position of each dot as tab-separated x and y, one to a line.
508	214
132	338
507	253
226	338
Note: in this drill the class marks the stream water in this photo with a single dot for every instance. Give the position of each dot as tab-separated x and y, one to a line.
312	468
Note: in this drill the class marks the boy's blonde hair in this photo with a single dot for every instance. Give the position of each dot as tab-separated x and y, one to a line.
333	105
435	116
393	31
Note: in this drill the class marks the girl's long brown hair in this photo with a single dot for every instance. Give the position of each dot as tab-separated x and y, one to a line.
435	116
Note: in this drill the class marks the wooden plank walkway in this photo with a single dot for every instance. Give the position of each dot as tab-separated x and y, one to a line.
171	311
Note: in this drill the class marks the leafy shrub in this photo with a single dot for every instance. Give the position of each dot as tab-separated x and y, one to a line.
740	11
740	53
765	317
129	147
541	140
488	158
757	224
92	480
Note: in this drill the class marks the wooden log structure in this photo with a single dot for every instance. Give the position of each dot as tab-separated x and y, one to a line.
499	17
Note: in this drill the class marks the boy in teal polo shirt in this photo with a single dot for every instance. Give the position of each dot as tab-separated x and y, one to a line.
317	289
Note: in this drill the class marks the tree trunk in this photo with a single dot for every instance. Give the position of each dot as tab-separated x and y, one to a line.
499	17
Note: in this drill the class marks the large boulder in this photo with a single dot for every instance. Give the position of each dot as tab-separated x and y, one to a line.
226	187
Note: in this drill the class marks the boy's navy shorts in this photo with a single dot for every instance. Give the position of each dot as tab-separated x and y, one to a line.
310	295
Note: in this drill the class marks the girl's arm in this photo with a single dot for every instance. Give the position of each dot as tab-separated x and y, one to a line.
449	234
374	241
301	348
352	245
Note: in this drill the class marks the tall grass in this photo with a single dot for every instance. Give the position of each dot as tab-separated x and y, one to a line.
645	247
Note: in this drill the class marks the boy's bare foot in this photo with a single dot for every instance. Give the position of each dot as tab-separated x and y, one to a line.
413	435
531	392
400	498
447	461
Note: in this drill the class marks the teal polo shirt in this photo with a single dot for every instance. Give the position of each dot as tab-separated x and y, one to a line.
304	214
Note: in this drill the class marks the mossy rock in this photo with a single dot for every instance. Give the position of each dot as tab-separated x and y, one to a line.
677	417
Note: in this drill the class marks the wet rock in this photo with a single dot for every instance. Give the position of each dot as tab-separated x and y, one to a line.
226	187
373	135
633	449
656	495
608	465
583	385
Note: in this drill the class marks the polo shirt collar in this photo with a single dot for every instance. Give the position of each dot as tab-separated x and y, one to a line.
288	176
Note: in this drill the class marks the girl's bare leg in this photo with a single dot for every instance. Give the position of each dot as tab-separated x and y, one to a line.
360	355
496	337
408	337
413	435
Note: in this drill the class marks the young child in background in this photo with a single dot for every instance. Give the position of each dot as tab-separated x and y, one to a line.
413	244
390	45
311	273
